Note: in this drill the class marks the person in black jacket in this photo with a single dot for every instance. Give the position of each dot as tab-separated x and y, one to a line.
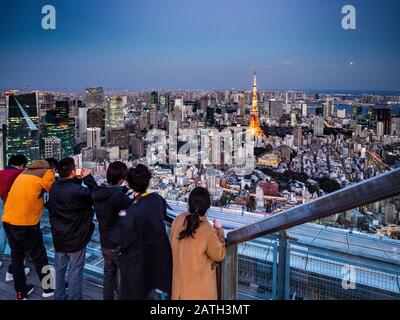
71	220
145	263
108	201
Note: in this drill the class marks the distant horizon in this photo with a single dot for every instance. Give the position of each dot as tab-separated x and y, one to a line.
331	91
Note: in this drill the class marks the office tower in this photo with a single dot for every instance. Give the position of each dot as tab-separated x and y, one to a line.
210	116
164	102
94	138
319	127
357	130
59	125
144	121
52	148
153	117
82	123
23	134
119	138
275	109
254	127
298	137
96	118
154	98
304	109
380	129
115	115
383	115
242	104
94	97
137	145
293	119
328	108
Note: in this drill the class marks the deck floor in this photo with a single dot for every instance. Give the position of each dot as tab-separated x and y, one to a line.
91	290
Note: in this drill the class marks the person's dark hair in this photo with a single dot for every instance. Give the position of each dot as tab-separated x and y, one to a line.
199	203
65	167
18	160
116	171
53	163
138	178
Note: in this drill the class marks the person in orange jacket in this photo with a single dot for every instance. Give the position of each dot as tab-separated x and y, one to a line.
21	222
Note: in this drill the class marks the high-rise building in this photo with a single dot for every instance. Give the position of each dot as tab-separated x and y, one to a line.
319	125
23	134
59	125
115	115
380	129
94	97
94	138
153	117
96	118
383	115
144	121
298	137
82	123
154	98
210	116
137	145
328	108
304	109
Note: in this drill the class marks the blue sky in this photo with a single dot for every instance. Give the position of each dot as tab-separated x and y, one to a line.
173	44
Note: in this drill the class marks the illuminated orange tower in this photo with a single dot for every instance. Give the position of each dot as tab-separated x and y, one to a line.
254	126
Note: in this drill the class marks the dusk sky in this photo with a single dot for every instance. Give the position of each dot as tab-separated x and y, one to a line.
190	44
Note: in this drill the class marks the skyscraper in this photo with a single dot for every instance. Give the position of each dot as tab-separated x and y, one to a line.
96	118
94	138
23	126
254	127
154	98
319	127
298	136
60	125
115	115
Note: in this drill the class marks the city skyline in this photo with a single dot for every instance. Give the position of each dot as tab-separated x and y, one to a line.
180	45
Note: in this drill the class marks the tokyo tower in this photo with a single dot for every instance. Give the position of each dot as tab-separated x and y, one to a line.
254	127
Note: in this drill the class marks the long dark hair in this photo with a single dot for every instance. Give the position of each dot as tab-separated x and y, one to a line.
199	202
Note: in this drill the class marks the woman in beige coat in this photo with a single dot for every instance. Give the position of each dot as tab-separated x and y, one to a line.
197	247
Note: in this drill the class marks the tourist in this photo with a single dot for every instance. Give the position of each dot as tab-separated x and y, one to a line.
145	262
21	221
71	215
108	201
197	247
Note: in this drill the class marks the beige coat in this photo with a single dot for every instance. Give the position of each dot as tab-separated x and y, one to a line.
195	260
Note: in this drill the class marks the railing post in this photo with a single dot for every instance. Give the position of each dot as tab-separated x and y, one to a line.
283	267
228	275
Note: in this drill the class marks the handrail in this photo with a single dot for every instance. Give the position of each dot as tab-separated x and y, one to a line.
369	191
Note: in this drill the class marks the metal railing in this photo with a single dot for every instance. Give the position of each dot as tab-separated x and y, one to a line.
288	270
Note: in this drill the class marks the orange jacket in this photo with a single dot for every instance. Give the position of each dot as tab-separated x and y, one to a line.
25	203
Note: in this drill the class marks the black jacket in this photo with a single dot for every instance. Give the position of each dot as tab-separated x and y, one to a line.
146	260
71	213
108	201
